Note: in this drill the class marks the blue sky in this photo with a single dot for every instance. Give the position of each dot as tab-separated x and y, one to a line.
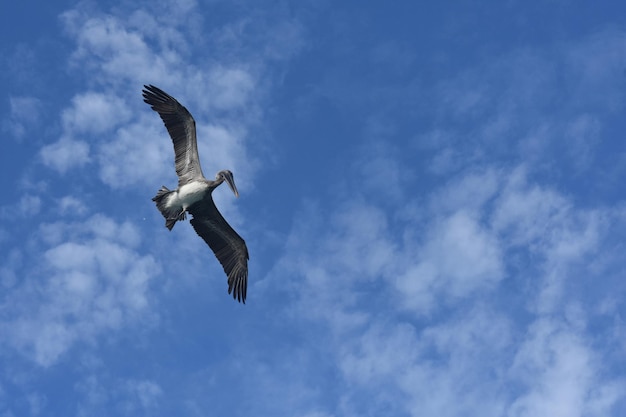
432	197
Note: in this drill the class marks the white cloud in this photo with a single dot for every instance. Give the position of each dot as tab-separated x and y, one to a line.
95	113
545	223
230	88
458	355
70	205
147	392
124	52
525	212
92	280
396	367
355	250
111	49
223	147
470	192
137	155
459	257
358	242
66	153
369	361
28	205
561	373
465	254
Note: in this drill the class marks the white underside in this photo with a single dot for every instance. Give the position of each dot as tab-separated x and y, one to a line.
186	195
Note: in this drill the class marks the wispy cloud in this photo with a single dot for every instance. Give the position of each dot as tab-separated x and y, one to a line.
480	300
458	258
24	114
96	280
455	247
122	52
462	265
562	373
65	154
95	113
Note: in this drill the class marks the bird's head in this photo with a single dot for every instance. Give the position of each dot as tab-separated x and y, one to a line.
226	175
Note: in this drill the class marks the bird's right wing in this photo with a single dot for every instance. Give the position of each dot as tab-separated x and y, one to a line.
182	130
229	248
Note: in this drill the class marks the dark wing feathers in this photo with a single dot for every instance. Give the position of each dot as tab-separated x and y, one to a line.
229	248
182	130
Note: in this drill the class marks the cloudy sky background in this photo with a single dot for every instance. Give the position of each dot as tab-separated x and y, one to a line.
432	196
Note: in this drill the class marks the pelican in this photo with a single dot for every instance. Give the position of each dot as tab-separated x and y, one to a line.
193	194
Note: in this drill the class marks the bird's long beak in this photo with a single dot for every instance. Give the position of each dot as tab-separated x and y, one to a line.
228	176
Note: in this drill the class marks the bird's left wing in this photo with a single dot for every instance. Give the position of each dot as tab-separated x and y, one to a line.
229	248
182	129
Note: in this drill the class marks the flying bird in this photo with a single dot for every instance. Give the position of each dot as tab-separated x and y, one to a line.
193	194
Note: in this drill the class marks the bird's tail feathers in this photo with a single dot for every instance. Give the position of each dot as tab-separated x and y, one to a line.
163	191
171	214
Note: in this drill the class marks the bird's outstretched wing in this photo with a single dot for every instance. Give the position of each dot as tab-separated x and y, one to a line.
229	248
182	130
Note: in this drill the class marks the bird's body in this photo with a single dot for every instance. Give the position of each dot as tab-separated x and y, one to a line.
193	194
180	199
